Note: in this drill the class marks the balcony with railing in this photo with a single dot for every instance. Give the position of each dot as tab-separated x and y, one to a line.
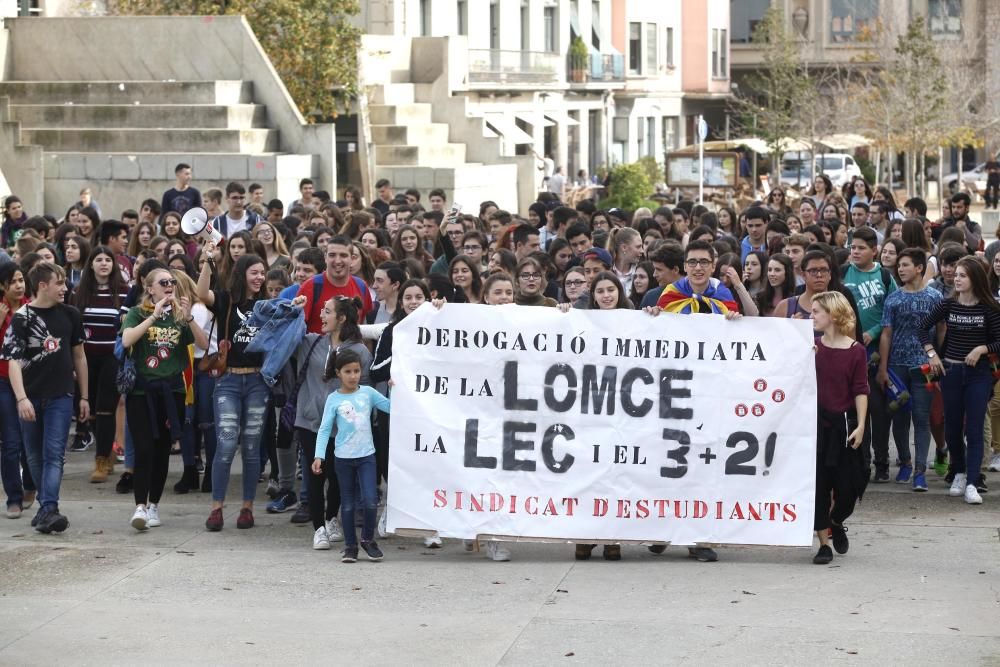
595	68
513	68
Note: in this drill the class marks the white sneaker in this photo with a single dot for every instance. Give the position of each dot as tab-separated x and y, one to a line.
432	542
382	532
321	541
333	531
139	519
497	552
153	515
972	495
470	545
994	463
958	486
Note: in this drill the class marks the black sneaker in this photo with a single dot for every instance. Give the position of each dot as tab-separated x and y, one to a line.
703	554
881	475
824	556
82	441
39	515
371	548
349	555
52	522
840	542
302	516
950	477
981	484
124	484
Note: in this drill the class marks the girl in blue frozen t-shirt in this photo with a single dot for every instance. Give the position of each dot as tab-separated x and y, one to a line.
350	408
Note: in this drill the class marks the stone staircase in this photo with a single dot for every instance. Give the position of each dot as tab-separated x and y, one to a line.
123	138
413	151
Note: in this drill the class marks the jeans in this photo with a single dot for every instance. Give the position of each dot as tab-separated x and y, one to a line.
204	412
966	393
919	413
187	437
350	474
45	442
240	404
129	446
10	446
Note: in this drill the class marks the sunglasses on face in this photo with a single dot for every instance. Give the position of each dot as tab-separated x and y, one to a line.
166	282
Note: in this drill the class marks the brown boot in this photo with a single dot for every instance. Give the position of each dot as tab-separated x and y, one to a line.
100	473
109	465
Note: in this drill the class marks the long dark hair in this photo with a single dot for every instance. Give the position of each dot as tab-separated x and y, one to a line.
623	301
976	271
86	291
95	222
477	280
350	332
634	296
83	244
237	279
412	282
766	296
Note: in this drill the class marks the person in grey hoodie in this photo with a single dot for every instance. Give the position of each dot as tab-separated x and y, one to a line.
316	355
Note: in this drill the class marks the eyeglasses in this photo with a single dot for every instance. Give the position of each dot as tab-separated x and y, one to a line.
575	283
457	232
166	282
471	248
530	276
816	273
695	263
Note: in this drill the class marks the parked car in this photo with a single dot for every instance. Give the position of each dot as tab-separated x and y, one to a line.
974	178
839	167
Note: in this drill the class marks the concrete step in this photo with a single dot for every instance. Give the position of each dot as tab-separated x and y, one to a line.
440	155
392	93
145	166
152	140
400	76
399	114
417	134
233	117
128	92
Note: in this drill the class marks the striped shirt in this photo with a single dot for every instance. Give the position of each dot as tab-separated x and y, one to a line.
101	323
968	327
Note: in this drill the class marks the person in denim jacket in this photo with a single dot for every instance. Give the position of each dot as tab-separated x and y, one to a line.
279	324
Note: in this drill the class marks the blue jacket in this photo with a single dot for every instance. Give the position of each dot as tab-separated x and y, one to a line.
281	328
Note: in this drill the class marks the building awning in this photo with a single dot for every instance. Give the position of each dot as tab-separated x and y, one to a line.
533	118
561	117
507	128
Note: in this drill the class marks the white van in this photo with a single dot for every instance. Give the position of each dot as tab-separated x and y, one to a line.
839	167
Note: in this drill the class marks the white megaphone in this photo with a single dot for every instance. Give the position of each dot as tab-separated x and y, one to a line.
195	223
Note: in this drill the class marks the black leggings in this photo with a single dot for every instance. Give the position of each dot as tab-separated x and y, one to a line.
152	455
316	482
101	372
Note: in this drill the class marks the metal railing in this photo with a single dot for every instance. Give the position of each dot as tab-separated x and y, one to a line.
595	67
513	67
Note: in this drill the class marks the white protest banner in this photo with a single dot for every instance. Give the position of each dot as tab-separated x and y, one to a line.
528	422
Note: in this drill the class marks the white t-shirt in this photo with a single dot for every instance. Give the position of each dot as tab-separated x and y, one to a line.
233	226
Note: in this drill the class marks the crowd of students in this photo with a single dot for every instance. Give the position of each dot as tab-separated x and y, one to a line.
282	332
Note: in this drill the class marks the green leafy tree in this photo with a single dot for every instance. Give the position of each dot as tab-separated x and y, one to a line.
311	43
630	187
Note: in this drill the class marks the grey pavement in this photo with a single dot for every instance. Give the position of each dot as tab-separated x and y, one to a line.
920	585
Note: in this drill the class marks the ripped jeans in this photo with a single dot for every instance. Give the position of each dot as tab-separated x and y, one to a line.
240	405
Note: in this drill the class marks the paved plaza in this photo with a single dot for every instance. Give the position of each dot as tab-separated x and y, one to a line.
920	585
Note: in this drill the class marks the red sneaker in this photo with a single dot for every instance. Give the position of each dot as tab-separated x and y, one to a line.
245	519
214	521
